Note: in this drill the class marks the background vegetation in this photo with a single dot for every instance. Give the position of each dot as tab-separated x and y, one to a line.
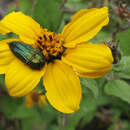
106	101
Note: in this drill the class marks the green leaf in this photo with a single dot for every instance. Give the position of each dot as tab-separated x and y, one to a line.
87	119
124	38
40	86
126	124
24	112
12	8
76	5
53	127
25	6
103	99
47	13
2	79
16	108
101	37
123	68
32	124
88	107
41	119
3	37
91	84
118	88
101	82
9	105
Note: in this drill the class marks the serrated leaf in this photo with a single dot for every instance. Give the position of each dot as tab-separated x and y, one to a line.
118	88
47	13
124	38
91	84
123	68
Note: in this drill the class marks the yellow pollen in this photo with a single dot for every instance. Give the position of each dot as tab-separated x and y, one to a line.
50	44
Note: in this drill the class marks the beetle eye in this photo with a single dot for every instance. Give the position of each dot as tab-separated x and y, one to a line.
113	47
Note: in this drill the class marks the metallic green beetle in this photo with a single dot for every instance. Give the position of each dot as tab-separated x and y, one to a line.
33	57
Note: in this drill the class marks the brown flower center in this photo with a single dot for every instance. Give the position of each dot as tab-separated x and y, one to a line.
51	45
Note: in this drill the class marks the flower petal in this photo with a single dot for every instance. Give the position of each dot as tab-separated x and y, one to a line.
84	25
6	56
91	60
23	25
63	87
21	79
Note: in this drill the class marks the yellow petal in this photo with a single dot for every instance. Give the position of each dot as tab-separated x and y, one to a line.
91	60
63	87
84	25
92	74
23	25
21	79
6	56
3	29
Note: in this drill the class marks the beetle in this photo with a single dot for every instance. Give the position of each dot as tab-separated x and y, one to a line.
33	57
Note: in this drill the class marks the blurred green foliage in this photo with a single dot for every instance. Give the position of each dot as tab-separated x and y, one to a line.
44	13
106	101
124	41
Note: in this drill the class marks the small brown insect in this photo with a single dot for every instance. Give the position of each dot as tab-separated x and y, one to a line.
115	51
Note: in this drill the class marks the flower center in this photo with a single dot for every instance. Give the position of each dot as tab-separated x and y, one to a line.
50	44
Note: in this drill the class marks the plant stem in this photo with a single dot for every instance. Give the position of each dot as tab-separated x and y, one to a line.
63	122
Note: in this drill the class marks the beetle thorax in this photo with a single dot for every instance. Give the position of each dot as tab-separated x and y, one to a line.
51	45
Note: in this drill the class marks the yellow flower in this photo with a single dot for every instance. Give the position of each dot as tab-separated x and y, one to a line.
64	54
33	98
